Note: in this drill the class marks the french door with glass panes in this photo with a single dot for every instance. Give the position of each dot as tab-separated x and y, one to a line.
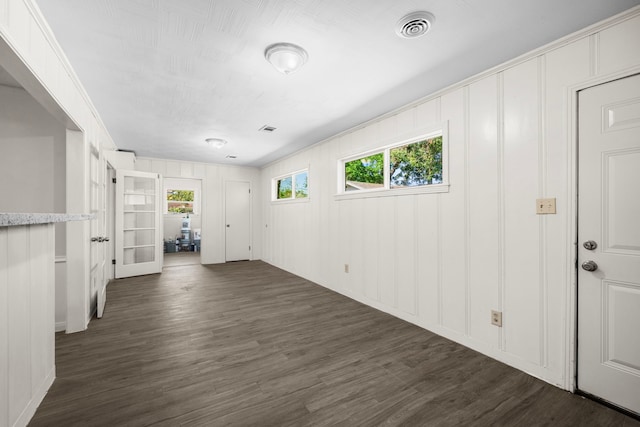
138	243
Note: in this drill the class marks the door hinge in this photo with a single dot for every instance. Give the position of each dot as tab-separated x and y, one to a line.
113	261
113	180
249	191
249	247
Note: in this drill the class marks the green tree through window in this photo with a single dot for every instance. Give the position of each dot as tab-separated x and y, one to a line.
180	201
413	164
284	188
302	185
291	186
416	164
366	172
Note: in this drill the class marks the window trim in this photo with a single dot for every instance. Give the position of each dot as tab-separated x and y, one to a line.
443	187
292	199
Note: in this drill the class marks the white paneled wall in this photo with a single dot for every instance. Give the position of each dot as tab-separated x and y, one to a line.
212	206
27	330
29	52
444	261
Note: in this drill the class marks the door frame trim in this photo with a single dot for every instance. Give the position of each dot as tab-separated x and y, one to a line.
571	309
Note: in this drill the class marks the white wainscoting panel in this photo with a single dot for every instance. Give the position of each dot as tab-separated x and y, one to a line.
521	314
562	67
618	46
27	276
484	206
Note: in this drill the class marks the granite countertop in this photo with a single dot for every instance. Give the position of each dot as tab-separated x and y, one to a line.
11	219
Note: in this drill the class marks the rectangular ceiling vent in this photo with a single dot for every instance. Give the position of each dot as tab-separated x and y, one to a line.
267	128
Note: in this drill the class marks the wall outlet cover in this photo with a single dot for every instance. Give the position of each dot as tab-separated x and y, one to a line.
496	318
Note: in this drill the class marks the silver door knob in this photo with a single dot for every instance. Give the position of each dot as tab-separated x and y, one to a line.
590	245
589	266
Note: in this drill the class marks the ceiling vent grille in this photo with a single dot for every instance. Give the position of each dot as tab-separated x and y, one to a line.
267	128
414	25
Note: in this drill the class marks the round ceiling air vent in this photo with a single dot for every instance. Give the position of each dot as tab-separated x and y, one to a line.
414	24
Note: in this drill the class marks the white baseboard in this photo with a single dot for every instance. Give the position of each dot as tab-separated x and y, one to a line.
61	326
38	396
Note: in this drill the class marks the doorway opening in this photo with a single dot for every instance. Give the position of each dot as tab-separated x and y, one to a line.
182	221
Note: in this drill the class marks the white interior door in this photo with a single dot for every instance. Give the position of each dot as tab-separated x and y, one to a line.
237	220
105	257
98	227
138	242
110	188
609	242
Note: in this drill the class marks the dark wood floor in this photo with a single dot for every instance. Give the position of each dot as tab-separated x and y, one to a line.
248	344
181	258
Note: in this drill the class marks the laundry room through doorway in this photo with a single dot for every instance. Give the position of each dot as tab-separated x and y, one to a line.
182	221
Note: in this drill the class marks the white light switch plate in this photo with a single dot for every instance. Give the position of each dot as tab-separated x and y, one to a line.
546	206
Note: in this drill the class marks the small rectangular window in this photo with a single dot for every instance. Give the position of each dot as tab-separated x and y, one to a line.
412	163
291	186
180	201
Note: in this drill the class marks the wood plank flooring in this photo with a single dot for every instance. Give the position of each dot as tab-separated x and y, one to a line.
247	344
181	258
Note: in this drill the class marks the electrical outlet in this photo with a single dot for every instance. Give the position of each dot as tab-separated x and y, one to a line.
496	318
346	268
545	206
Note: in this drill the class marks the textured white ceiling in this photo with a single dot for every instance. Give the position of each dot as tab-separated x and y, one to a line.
165	74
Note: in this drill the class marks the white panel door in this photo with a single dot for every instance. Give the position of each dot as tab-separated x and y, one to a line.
138	242
98	253
237	220
609	242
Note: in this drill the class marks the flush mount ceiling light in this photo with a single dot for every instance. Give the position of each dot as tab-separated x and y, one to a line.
216	142
414	25
286	57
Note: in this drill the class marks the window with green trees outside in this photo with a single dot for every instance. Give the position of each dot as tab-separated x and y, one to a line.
419	163
292	186
180	201
414	164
